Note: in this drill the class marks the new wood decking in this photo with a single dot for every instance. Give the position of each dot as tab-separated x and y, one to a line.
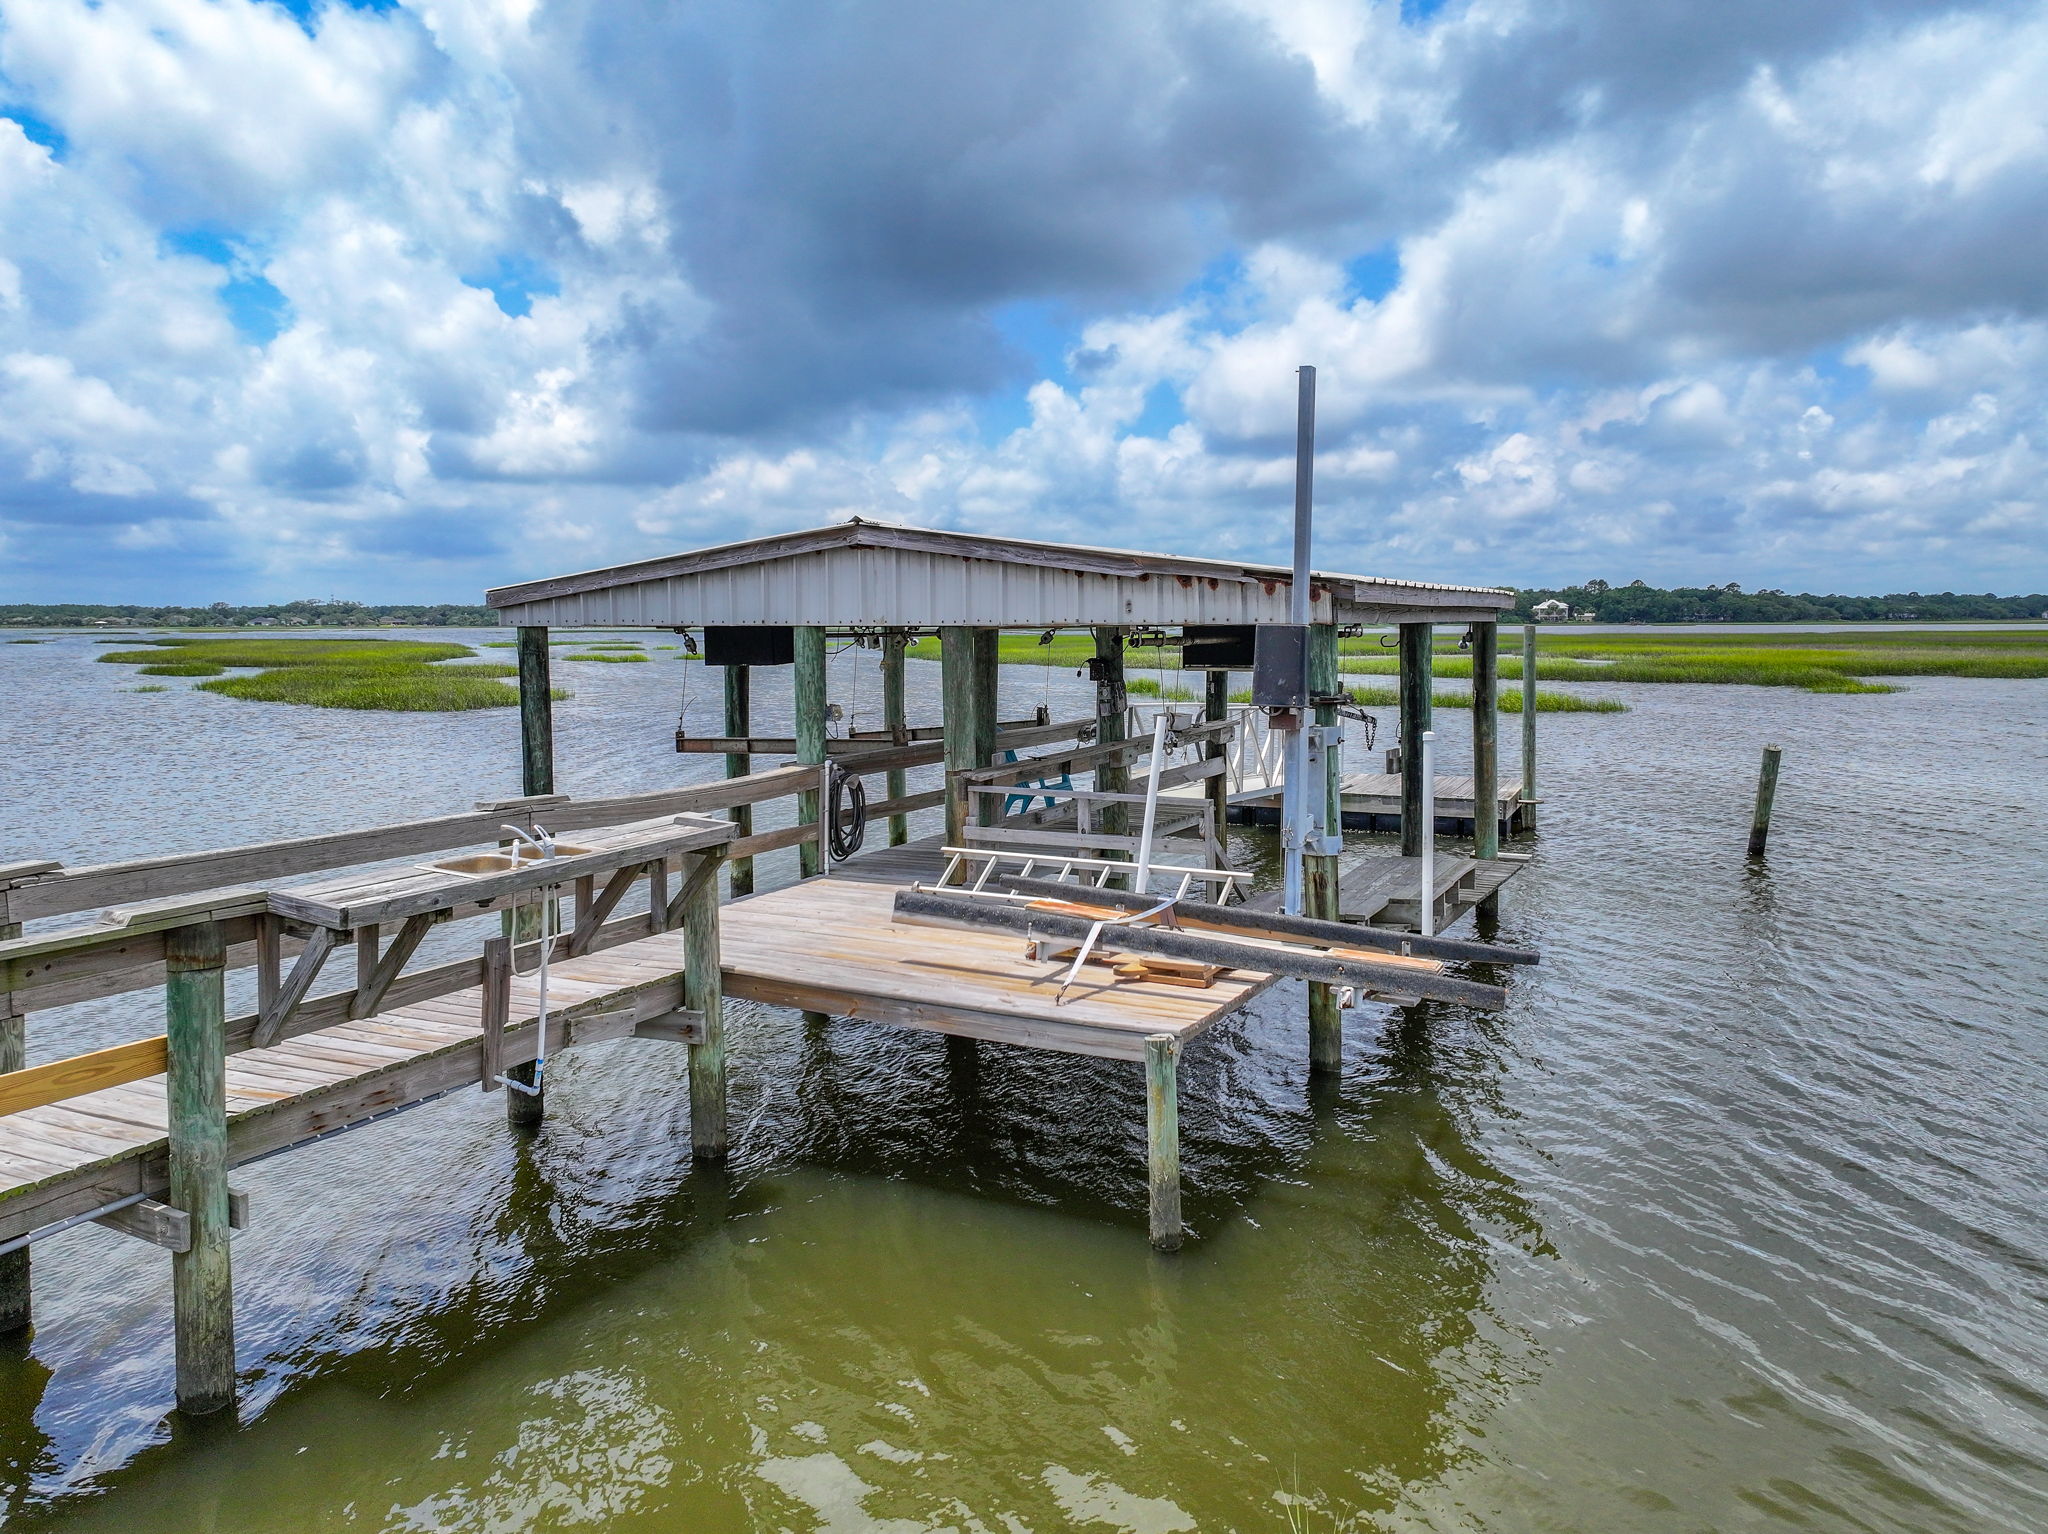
830	945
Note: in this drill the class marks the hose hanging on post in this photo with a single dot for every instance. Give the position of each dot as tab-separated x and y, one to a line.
847	815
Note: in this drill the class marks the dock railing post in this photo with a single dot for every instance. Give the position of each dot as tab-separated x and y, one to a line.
809	683
1427	853
739	723
895	719
202	1290
703	992
1485	740
1766	795
1162	1138
1529	726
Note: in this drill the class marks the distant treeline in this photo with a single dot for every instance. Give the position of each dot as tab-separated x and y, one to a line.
307	614
1639	603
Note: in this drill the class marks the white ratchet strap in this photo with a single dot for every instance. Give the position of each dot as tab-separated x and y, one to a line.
1127	918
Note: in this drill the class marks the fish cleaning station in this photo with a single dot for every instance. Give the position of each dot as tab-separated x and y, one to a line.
1078	899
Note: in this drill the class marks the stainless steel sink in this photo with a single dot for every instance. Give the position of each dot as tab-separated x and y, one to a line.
503	862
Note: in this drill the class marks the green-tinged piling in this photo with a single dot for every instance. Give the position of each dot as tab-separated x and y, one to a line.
1766	796
202	1287
810	737
739	717
1162	1139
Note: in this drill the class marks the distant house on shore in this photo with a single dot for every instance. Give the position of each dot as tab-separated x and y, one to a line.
1551	611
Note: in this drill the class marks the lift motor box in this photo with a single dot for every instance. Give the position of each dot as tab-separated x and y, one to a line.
1280	666
756	645
1219	647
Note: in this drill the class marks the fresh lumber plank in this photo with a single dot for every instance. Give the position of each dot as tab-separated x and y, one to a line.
59	1079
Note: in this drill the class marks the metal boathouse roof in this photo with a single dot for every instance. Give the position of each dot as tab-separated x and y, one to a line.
861	573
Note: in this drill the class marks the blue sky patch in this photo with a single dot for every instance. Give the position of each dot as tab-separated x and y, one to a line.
515	282
254	304
1373	275
38	130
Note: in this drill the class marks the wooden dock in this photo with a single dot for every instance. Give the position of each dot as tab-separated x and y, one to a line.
830	946
1386	891
1372	802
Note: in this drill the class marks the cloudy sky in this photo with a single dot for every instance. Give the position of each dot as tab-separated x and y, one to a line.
398	301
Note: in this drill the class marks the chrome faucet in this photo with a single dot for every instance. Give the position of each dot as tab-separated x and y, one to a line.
539	839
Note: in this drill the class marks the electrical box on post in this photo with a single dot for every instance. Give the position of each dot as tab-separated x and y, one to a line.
1219	647
1280	666
763	645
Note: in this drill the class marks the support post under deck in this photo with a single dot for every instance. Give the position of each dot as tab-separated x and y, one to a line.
959	665
1485	740
16	1312
202	1289
810	736
537	776
895	720
703	992
1417	684
1162	1138
1528	726
739	723
1216	707
1112	712
987	668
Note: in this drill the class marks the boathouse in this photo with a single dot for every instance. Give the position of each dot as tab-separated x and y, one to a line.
604	918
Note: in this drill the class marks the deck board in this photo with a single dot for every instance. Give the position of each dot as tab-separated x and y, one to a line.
826	944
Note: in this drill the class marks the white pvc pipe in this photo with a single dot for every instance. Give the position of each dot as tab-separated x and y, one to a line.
1144	881
1429	833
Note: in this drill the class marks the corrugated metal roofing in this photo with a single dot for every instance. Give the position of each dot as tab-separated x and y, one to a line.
866	573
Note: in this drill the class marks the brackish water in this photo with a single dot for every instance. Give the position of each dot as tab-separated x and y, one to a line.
1731	1221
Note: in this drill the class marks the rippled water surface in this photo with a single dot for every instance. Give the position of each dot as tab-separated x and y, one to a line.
1732	1220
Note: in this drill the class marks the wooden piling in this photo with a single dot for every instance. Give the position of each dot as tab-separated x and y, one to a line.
896	720
1162	1138
1112	706
1486	740
1766	794
810	735
16	1311
739	723
987	668
1320	899
959	660
703	993
1417	686
1528	726
537	776
536	714
1216	706
202	1290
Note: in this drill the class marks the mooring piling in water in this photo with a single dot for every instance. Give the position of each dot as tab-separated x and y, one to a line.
1766	795
1162	1138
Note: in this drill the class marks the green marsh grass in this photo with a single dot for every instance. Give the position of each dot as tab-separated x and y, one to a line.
607	656
148	687
398	675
